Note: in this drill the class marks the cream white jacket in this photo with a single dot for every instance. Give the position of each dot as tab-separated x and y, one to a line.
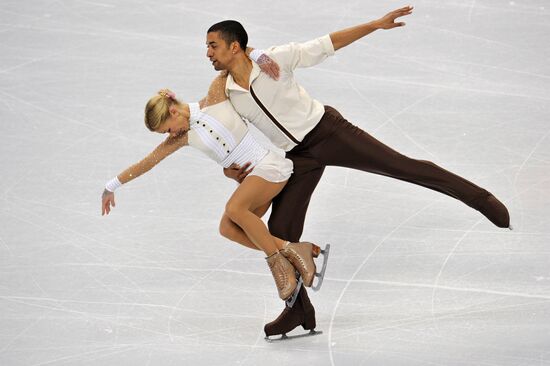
282	109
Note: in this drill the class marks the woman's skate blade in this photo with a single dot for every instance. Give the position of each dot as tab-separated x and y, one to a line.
284	337
320	275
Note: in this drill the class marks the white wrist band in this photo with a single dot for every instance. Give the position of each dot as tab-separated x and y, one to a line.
255	54
113	184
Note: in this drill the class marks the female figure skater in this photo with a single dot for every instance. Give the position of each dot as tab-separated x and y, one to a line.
215	128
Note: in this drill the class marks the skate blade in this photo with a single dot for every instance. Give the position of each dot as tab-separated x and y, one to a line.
292	299
321	275
284	337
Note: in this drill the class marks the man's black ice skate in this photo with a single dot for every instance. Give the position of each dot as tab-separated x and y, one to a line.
493	209
301	313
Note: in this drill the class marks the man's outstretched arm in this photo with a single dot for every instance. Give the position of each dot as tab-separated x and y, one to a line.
346	36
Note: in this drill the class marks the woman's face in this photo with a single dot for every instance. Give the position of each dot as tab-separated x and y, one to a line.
175	124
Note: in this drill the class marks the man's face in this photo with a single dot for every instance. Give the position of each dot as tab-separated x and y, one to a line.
218	51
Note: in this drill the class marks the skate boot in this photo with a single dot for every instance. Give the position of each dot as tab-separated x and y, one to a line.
302	313
301	256
283	273
493	209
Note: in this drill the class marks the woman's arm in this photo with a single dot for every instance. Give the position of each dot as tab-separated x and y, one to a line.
216	91
167	147
170	145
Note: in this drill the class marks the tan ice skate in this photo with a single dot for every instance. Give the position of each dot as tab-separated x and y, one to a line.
301	256
284	274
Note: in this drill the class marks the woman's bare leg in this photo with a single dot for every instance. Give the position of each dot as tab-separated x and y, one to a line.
232	231
246	205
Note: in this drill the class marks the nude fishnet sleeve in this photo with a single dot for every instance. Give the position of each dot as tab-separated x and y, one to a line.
216	91
167	147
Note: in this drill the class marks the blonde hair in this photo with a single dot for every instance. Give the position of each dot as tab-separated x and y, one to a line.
157	109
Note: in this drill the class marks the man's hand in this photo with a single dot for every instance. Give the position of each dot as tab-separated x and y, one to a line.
107	200
238	173
344	37
269	66
388	20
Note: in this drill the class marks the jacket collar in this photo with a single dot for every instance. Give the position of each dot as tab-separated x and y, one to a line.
230	84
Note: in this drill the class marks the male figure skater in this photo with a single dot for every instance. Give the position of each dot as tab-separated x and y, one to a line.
315	136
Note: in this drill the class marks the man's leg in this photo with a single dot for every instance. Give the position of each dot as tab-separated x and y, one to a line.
301	314
286	221
349	146
288	210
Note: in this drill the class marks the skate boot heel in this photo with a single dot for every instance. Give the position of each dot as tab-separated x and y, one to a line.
301	257
315	251
309	324
309	321
301	314
492	209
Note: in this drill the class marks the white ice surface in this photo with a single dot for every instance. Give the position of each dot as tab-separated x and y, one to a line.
414	278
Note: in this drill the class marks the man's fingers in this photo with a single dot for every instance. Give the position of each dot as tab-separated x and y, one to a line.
405	8
244	174
104	204
399	15
401	12
405	12
244	167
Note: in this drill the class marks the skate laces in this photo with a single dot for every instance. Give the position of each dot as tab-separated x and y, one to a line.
291	252
280	277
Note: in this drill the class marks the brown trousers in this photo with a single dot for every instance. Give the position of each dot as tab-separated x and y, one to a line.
336	142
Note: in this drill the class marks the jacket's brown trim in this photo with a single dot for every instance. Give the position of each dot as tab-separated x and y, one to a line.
285	131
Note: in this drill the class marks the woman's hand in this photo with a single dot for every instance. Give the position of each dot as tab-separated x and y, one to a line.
268	66
266	63
107	200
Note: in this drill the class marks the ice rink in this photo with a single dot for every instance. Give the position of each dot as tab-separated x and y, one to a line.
414	277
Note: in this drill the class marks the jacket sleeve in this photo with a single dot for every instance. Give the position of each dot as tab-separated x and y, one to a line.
307	54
